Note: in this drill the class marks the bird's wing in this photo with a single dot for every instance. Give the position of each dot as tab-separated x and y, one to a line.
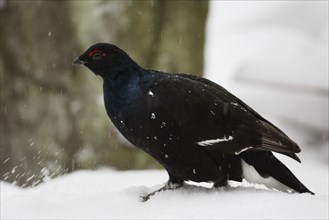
215	119
281	137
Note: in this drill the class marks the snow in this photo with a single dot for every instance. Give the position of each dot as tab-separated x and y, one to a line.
106	193
150	93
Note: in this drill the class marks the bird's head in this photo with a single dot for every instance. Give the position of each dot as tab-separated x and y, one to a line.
103	59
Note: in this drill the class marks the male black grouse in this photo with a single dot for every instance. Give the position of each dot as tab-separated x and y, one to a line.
193	127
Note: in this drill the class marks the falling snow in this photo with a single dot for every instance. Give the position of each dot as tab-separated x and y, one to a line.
123	124
14	169
150	93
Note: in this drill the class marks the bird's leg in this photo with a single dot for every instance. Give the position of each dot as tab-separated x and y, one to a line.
172	184
220	182
168	186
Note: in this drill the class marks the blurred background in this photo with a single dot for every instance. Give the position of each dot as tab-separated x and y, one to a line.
273	55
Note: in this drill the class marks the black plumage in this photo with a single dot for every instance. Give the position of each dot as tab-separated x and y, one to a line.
193	127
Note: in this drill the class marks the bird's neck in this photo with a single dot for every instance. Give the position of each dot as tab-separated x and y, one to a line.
123	86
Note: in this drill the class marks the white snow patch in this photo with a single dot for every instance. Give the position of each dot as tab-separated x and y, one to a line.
122	122
214	141
150	93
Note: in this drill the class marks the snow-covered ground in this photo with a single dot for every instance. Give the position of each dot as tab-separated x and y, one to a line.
106	194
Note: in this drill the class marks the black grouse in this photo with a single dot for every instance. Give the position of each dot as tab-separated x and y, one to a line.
193	127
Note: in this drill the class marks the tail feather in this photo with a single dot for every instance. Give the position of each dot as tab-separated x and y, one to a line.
267	165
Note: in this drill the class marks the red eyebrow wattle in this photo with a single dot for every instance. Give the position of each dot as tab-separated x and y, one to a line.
91	53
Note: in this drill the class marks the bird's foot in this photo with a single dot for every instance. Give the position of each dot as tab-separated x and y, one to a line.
168	186
220	183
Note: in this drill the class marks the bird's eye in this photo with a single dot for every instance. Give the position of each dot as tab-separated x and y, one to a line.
97	56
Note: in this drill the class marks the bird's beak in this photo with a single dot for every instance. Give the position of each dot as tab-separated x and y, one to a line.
79	62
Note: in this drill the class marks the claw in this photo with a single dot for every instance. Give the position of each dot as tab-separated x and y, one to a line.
168	186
